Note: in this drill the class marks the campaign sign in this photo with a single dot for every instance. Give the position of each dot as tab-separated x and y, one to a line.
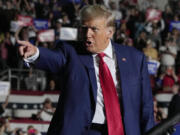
25	20
41	24
174	24
153	15
46	35
4	87
153	66
68	34
14	26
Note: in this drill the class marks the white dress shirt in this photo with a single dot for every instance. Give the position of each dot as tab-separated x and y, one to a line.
111	61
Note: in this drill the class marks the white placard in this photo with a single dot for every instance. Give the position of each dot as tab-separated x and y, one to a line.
4	87
14	26
46	35
67	33
153	66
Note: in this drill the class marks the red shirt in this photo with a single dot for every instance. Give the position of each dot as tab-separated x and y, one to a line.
168	81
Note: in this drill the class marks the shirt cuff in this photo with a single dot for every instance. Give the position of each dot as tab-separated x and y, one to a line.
32	58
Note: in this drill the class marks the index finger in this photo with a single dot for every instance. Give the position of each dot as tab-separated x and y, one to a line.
24	43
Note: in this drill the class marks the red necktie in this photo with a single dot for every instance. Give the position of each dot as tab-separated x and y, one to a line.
111	101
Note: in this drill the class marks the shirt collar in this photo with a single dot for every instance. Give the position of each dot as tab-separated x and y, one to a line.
109	50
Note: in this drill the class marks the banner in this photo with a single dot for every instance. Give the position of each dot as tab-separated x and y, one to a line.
68	33
4	87
46	35
153	15
25	20
153	66
14	26
41	24
174	24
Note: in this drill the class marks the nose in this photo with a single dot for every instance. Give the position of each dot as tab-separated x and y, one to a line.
89	32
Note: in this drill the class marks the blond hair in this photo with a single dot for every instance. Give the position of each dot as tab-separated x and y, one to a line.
91	12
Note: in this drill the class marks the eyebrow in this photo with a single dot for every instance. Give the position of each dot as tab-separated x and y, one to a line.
92	27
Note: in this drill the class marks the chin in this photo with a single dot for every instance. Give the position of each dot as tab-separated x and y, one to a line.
91	50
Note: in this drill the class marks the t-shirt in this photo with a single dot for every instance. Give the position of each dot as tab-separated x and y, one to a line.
168	81
167	59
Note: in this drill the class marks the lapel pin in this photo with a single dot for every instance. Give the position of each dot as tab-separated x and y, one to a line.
124	59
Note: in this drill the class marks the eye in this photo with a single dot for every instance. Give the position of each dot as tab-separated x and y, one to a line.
94	29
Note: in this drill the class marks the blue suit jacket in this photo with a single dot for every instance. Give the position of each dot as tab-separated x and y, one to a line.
77	101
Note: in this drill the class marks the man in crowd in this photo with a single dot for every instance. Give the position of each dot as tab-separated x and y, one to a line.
106	89
4	105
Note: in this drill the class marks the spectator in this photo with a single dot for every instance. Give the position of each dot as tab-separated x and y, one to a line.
4	105
175	101
168	53
3	55
20	132
5	127
8	51
115	11
52	85
158	25
47	111
132	16
140	42
158	112
58	26
169	79
65	20
129	42
40	8
150	52
168	17
156	38
176	37
31	81
32	131
145	4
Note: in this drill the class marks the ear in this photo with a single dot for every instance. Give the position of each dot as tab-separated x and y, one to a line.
110	32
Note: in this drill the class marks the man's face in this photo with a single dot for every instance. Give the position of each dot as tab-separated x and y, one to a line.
96	35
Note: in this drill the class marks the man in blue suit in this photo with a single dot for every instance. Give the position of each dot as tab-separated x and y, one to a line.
81	109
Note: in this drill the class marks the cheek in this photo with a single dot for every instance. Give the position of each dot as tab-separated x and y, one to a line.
100	38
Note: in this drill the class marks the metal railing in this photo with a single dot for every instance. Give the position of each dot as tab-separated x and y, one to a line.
16	77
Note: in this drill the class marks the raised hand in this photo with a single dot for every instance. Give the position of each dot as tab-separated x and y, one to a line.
26	49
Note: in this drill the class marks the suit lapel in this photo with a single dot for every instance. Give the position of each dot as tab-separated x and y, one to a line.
87	61
122	62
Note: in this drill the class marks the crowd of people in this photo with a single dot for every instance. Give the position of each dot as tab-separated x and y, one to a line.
155	38
44	114
5	129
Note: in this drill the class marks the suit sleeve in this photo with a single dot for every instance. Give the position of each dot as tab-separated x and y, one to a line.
49	60
147	117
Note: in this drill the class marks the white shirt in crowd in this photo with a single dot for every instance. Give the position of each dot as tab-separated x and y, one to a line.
168	59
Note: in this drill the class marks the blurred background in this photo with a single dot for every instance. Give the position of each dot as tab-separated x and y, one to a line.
29	96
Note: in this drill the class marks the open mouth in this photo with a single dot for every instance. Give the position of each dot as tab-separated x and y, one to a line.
88	43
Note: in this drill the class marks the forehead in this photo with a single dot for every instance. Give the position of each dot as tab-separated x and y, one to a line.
101	22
